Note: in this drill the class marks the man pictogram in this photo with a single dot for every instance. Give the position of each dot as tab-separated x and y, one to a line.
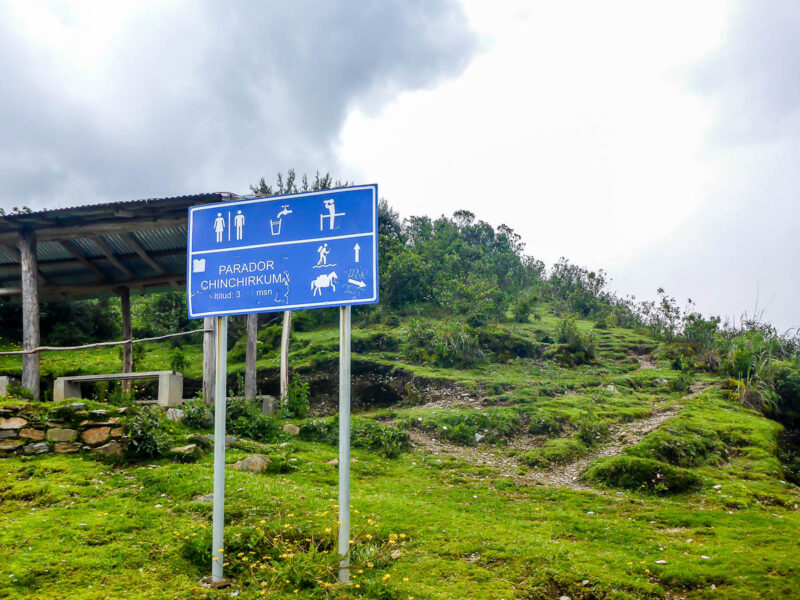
238	222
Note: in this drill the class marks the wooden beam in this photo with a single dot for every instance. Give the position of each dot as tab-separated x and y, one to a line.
97	260
251	349
139	249
108	252
30	311
103	227
83	290
75	251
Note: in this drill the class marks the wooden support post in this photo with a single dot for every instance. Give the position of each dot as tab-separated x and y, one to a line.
250	357
209	360
30	311
285	331
127	333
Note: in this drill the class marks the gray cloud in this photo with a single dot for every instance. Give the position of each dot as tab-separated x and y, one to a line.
212	96
753	77
741	251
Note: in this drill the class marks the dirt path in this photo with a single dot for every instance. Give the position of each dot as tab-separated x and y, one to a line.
567	475
623	436
646	361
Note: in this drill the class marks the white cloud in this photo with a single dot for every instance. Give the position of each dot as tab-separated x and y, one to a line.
578	127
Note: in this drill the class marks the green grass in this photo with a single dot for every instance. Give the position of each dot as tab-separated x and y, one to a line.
76	527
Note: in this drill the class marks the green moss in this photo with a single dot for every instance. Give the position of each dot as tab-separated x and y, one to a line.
641	474
554	452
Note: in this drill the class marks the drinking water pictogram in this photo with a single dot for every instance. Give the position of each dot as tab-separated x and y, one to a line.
276	223
330	206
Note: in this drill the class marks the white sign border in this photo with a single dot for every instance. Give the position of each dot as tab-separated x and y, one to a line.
331	303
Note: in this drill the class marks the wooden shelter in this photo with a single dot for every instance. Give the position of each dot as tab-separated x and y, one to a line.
85	251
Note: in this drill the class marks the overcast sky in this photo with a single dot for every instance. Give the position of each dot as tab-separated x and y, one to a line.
657	141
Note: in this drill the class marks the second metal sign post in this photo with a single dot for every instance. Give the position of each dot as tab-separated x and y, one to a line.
282	253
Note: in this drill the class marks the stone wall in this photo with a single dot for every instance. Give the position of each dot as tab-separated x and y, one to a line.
67	429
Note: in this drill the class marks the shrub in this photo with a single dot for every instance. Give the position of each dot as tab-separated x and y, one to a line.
593	431
148	439
544	425
177	360
786	383
386	439
574	348
295	405
197	415
642	474
681	383
17	390
364	341
365	433
449	344
244	419
505	345
462	426
320	430
521	310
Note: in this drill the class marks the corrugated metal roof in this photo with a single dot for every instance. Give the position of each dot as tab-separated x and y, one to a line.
70	211
162	239
158	225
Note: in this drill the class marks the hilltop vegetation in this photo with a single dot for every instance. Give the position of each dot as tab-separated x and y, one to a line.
519	432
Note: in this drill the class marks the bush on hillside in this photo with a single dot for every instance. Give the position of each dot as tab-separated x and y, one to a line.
641	474
17	390
573	347
521	310
593	431
365	341
145	429
244	419
445	344
786	383
196	414
365	433
682	383
295	405
543	424
505	345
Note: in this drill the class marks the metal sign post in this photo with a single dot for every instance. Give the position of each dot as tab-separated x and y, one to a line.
344	443
218	526
277	254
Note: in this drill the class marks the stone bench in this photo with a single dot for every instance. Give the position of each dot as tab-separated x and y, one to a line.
170	385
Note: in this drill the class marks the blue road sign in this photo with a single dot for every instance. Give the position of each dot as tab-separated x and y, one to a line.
312	250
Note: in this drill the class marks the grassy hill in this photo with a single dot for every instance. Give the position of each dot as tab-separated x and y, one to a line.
530	460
